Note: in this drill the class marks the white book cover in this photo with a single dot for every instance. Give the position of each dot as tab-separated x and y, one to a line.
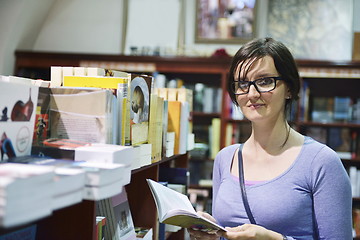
184	126
17	118
68	180
67	199
100	173
82	114
37	210
124	225
16	178
96	193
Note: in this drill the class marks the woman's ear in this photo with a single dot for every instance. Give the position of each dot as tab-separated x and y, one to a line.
288	94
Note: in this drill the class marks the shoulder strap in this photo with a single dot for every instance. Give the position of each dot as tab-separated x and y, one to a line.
242	187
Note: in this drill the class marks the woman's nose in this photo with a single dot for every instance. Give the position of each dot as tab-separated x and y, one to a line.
253	92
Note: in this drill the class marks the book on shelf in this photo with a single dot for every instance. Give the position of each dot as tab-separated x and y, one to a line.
26	193
95	81
322	109
340	140
68	182
94	180
108	153
320	134
156	127
83	114
96	193
304	101
140	92
27	81
174	112
170	144
100	226
229	134
214	137
184	128
152	134
342	108
164	128
143	233
176	209
123	114
18	103
119	224
103	180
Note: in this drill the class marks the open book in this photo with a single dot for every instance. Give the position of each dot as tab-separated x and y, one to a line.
175	208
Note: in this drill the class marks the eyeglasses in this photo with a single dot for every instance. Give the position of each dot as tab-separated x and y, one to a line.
262	85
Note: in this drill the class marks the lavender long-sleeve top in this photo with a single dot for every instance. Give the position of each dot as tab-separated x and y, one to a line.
310	200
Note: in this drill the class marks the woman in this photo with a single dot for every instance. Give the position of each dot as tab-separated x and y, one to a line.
296	187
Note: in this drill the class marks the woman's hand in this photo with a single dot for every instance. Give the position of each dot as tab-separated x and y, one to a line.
249	231
200	235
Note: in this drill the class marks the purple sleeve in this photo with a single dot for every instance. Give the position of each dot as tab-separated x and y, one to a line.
332	196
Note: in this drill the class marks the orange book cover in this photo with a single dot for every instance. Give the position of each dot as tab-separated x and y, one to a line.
174	111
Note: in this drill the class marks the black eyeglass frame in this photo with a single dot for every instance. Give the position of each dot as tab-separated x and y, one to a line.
253	83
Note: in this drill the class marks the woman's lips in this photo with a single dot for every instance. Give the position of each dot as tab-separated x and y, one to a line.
256	105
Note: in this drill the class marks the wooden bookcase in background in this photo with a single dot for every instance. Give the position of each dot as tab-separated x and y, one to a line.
325	78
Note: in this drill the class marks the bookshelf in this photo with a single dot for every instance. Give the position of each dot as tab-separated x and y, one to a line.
78	221
323	78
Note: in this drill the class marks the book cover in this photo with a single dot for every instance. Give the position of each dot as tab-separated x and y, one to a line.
152	125
322	109
184	127
18	103
214	137
159	128
123	113
176	209
342	106
164	127
96	82
119	221
83	114
124	223
140	92
104	72
174	112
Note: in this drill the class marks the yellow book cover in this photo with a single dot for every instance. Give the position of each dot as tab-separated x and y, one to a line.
123	114
158	128
97	82
215	137
174	111
152	125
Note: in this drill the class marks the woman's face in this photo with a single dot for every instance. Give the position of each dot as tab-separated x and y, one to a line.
262	106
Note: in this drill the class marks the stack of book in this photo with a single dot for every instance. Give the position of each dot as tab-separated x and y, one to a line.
102	180
26	193
109	153
68	182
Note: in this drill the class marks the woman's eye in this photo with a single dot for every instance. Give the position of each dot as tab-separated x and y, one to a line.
243	84
265	81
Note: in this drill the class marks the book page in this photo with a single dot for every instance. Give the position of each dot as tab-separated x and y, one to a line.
168	200
175	208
